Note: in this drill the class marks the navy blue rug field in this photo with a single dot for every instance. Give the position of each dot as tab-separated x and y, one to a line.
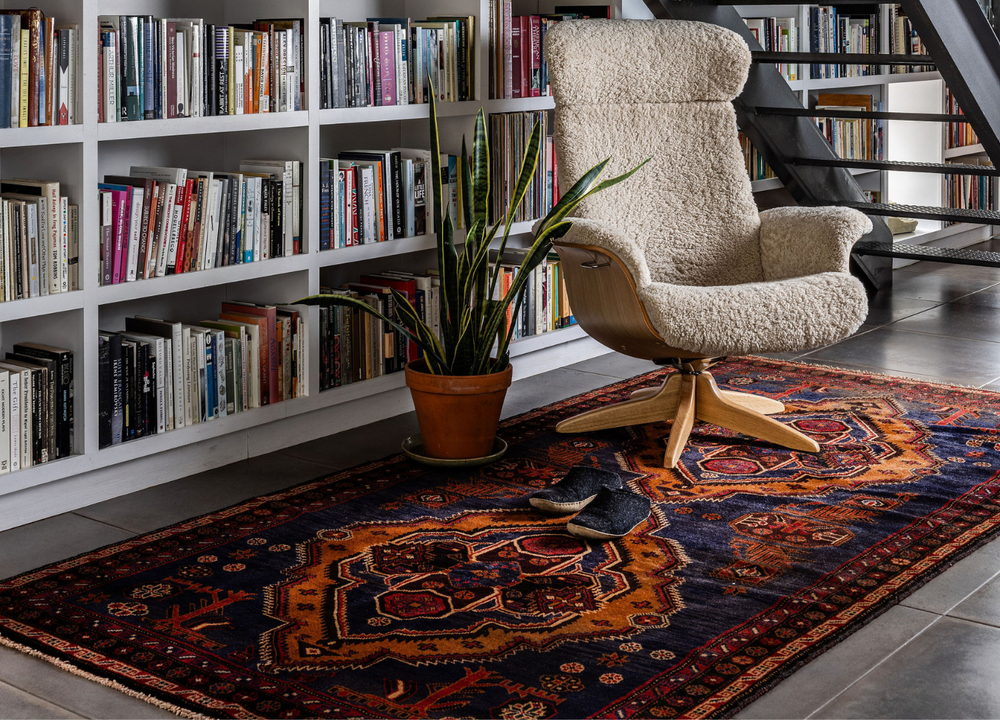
395	590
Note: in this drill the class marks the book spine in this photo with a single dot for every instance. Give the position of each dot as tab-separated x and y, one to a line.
6	62
171	68
387	67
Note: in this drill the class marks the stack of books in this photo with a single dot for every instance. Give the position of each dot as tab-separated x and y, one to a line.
837	30
38	70
157	376
160	221
153	68
517	47
972	192
356	346
904	40
39	240
510	134
777	34
960	134
396	61
757	169
36	406
851	138
368	196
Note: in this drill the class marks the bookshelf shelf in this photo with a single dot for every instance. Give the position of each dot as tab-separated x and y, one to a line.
41	306
976	149
390	248
200	126
38	136
123	292
347	116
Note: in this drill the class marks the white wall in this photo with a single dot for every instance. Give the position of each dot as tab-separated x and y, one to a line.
915	142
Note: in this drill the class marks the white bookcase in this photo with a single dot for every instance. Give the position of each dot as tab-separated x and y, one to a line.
904	141
79	157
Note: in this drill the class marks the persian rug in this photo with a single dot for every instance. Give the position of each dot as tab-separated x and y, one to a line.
393	590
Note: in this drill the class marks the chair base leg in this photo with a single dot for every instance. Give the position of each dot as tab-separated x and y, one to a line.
685	398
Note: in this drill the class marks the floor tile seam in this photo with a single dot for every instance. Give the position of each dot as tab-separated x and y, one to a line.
866	673
605	375
36	696
980	623
972	592
79	513
289	452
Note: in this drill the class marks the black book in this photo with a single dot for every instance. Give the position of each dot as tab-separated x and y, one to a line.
151	404
324	347
64	391
16	245
105	391
324	59
227	226
49	401
278	218
128	390
143	382
117	388
221	73
398	205
238	198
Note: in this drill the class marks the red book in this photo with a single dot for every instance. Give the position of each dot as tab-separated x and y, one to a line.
351	207
270	314
182	235
525	72
121	211
406	288
515	56
535	33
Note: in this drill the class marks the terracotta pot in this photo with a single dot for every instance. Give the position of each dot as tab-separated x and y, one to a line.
458	414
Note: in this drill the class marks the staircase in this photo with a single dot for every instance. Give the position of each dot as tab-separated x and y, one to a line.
963	47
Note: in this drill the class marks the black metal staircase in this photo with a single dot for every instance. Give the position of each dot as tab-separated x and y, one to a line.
965	50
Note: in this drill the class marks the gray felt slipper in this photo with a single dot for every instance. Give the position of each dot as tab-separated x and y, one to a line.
612	514
571	494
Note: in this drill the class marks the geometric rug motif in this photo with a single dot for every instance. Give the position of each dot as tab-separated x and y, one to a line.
395	590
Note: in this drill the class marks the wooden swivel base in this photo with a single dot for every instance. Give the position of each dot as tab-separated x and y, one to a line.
686	397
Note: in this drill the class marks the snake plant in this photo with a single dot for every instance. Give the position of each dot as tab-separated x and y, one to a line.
475	338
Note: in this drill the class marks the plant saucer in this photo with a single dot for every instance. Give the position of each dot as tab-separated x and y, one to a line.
413	446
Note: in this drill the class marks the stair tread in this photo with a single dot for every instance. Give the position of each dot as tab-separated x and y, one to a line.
840	58
861	114
991	217
928	252
943	168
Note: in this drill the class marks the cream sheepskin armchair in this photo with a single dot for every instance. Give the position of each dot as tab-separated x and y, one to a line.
676	264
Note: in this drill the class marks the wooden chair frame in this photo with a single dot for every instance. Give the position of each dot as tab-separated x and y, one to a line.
606	304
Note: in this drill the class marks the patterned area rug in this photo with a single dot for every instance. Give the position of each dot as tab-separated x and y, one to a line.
391	590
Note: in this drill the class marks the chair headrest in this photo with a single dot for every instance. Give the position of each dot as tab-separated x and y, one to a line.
603	62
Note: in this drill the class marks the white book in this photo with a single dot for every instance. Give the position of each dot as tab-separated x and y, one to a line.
33	248
196	70
138	196
163	241
191	411
71	102
15	400
4	422
44	235
64	245
182	73
292	65
110	85
283	171
169	397
283	104
251	361
407	173
238	77
213	226
176	364
257	239
249	226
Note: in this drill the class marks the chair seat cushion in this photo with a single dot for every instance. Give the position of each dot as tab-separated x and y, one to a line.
780	316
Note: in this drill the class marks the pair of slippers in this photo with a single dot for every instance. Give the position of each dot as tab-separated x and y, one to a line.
605	510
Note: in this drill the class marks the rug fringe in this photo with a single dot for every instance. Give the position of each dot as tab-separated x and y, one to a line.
69	667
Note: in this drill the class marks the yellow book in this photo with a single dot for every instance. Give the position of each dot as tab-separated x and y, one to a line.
25	53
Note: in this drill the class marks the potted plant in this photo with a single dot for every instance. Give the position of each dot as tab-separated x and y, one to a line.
458	386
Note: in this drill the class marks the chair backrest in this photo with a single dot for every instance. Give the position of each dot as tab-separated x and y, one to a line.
633	89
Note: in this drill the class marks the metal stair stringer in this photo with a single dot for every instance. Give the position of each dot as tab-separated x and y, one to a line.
778	136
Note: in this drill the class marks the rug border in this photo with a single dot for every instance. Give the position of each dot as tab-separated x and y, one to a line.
806	657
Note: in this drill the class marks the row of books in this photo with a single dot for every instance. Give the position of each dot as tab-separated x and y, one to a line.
517	47
356	346
153	68
396	61
839	30
36	406
510	134
370	196
852	138
160	221
960	134
39	240
757	168
972	192
904	40
777	34
38	70
157	376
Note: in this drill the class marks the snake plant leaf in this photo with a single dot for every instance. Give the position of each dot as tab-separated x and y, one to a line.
466	180
345	301
449	284
480	168
408	315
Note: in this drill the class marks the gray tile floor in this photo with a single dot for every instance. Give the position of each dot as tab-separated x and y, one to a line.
935	655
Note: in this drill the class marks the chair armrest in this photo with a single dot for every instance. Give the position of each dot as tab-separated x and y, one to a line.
607	237
800	241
